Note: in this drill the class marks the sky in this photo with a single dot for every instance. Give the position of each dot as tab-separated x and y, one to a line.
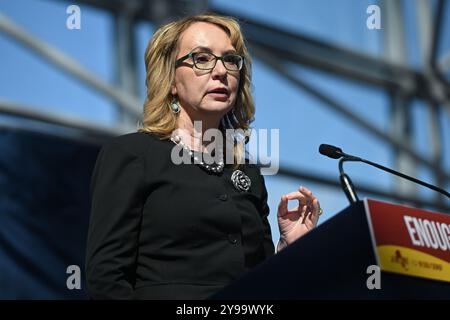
304	122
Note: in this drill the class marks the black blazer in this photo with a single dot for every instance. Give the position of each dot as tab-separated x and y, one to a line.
164	231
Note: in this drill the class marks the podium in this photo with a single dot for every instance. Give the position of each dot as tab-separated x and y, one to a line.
330	262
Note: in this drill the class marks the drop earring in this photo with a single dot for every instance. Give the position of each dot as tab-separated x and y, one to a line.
175	106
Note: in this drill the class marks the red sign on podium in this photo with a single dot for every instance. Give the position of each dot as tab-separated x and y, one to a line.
410	241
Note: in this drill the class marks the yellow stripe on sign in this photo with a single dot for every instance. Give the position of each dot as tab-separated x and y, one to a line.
412	262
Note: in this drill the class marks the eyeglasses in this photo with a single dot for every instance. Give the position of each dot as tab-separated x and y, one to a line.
207	60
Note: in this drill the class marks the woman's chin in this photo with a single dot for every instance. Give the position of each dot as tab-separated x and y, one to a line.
218	107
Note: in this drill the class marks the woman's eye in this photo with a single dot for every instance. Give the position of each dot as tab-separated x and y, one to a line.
231	59
202	58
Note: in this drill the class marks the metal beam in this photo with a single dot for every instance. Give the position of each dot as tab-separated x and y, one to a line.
57	58
357	66
126	65
157	11
401	118
324	56
72	127
438	82
278	67
429	34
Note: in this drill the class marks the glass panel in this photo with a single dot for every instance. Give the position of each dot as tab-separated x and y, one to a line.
28	79
340	22
305	122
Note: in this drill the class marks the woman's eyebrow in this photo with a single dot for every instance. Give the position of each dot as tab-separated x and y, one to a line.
202	49
230	51
206	49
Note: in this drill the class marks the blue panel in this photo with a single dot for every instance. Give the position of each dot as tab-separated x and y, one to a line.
44	214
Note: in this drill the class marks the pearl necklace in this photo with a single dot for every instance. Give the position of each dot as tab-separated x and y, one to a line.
215	168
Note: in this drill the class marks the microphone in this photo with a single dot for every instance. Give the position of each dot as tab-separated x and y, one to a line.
347	186
331	151
337	153
346	182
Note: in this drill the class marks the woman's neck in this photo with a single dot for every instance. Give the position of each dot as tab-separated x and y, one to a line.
191	131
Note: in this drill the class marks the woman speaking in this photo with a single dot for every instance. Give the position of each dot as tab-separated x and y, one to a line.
161	229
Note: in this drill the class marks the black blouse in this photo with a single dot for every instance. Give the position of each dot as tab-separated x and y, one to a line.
164	231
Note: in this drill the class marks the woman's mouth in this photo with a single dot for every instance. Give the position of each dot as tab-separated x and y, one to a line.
219	94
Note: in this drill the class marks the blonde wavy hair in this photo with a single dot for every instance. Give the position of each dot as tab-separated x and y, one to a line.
160	57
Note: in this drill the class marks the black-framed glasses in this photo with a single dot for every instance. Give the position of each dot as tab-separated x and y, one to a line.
208	60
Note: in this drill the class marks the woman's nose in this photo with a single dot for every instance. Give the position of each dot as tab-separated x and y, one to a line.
219	69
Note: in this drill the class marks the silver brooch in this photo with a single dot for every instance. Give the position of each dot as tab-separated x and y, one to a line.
241	181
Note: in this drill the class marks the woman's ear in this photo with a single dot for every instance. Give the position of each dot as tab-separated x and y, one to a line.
173	90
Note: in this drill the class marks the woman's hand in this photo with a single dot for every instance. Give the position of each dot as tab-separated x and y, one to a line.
297	222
